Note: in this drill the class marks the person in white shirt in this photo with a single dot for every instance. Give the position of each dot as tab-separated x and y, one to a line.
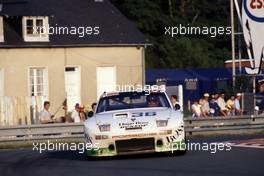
222	104
238	110
204	102
75	115
196	109
45	116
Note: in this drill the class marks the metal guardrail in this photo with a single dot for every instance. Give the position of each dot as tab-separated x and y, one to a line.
202	126
222	125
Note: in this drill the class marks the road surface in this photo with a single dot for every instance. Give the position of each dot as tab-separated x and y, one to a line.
242	161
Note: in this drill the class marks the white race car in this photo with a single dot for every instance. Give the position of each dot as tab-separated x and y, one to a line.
134	122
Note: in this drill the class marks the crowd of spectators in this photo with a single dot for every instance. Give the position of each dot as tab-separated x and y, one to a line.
79	114
216	105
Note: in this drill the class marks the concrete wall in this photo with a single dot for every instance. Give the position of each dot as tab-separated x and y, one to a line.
16	63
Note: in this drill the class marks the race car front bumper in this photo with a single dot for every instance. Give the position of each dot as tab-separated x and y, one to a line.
166	141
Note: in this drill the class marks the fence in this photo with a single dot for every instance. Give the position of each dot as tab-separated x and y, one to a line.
219	125
19	110
222	125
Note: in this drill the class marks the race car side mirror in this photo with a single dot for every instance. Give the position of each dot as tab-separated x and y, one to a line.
90	114
177	107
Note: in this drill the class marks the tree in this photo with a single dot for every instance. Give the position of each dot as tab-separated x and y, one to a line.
151	17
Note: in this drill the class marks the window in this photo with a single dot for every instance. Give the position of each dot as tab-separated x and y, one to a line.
132	100
106	80
38	82
30	27
35	29
1	29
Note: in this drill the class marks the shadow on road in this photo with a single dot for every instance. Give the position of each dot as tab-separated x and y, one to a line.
74	155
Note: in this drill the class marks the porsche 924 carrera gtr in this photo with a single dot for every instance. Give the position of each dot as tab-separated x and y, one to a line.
127	123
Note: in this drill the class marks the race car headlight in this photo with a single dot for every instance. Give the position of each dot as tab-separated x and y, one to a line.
162	123
101	137
104	128
165	132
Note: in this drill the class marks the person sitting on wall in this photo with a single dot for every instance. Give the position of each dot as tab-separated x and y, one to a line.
214	108
204	102
91	113
82	113
75	115
45	116
196	109
230	105
222	104
260	96
94	107
238	110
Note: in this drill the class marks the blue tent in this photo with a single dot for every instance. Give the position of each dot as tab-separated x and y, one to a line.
207	80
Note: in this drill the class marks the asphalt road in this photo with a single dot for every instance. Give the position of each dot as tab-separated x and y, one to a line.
238	161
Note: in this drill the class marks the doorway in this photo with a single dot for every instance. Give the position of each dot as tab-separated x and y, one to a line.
72	86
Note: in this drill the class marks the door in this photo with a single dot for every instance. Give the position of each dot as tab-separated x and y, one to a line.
1	82
72	86
106	80
38	82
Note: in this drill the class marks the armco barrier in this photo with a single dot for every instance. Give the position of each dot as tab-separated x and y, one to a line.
224	125
203	126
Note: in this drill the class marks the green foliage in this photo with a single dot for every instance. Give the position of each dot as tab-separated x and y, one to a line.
152	16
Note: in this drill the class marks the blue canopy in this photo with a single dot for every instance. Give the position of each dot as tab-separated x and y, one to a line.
179	75
206	79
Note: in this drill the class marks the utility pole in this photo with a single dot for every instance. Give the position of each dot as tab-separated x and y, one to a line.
170	8
233	43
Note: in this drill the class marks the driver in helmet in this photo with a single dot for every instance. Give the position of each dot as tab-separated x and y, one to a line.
152	101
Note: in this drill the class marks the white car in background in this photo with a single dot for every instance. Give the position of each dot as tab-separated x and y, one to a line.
134	122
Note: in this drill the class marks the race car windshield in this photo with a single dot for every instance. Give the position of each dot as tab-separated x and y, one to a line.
132	100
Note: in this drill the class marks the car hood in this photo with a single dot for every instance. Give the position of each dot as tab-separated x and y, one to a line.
134	119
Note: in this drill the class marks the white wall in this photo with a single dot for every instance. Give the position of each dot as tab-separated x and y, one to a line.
2	82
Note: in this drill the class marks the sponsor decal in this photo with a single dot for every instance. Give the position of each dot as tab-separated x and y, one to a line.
133	119
174	137
254	9
134	135
252	21
147	114
133	125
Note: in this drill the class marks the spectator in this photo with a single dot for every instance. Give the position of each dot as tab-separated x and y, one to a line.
222	104
238	110
196	109
205	105
260	96
94	107
214	108
82	114
216	95
230	105
91	113
45	116
75	115
174	101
